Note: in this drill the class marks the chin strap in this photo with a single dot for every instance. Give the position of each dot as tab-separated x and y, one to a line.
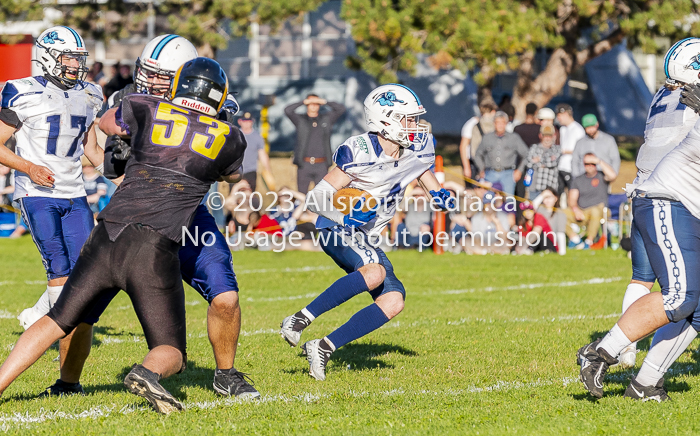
56	82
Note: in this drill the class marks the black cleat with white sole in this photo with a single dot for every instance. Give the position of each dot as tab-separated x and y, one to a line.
233	383
144	383
594	364
647	393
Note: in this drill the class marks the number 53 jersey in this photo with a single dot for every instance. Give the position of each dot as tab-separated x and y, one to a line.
177	154
51	126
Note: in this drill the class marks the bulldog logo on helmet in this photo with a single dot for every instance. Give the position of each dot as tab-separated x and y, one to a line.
388	99
51	38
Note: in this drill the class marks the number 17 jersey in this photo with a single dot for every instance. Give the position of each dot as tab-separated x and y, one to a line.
52	124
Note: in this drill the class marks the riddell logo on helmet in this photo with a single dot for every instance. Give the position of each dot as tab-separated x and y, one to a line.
194	105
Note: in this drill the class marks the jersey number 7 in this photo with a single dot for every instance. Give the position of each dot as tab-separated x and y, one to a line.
173	130
76	122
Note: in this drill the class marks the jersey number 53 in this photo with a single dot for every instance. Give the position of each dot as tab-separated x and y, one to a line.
172	130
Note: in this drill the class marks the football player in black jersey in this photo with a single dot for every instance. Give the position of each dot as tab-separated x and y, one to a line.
179	150
208	269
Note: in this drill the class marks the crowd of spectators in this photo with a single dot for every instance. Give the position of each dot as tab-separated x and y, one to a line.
556	170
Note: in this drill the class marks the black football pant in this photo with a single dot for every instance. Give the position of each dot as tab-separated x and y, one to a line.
144	264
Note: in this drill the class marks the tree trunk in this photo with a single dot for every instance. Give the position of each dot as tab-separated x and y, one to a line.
484	93
206	50
541	89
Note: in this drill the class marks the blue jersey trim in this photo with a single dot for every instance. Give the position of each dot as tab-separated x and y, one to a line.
375	144
78	39
8	94
161	45
343	156
363	164
42	80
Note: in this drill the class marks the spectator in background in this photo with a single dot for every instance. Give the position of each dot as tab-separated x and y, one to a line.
588	196
465	149
545	117
312	153
547	205
254	152
95	188
569	134
510	111
95	74
543	158
489	230
483	126
599	143
121	78
529	130
7	188
414	221
502	155
535	234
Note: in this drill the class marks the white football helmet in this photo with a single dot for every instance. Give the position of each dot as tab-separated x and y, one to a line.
682	62
54	50
394	111
162	56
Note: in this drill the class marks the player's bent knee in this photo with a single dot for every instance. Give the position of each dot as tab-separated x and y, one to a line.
682	312
391	303
374	275
225	303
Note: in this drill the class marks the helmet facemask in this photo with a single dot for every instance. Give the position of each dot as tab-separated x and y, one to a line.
152	81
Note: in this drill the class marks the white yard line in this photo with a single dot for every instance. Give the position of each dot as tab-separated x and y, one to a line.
284	270
27	419
593	281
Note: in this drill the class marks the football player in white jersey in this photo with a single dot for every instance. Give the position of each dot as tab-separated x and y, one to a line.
668	123
52	117
382	162
667	216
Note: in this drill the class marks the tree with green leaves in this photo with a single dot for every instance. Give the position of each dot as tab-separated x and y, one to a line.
209	24
18	10
497	36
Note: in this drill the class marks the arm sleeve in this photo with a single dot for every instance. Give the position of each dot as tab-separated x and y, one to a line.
320	201
291	114
9	117
337	110
10	114
125	117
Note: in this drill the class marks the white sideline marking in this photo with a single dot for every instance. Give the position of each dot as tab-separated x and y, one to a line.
594	281
25	419
7	315
270	270
293	297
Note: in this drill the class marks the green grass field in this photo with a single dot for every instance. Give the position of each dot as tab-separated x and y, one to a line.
485	345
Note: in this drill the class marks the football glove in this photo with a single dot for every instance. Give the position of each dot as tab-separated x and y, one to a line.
358	218
690	96
443	199
229	109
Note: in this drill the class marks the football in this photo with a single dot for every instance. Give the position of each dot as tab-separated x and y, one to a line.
346	197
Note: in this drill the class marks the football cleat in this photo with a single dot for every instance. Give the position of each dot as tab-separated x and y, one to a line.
647	393
594	364
628	357
62	388
317	357
291	328
234	383
144	383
